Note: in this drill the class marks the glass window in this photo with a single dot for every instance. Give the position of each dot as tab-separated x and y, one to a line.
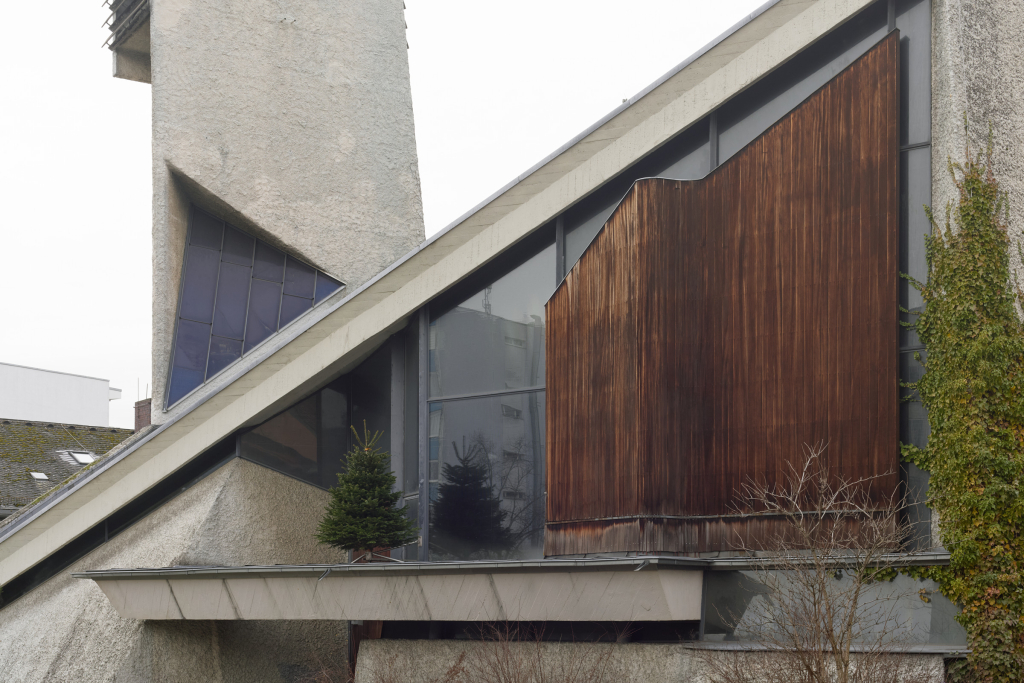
746	116
232	301
915	194
687	157
298	279
487	494
200	284
292	307
269	263
264	306
494	339
235	282
309	440
238	247
738	606
287	442
913	19
223	352
190	350
325	286
206	231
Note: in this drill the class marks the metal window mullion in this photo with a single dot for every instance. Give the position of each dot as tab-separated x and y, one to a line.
248	296
216	290
423	378
177	312
560	248
280	299
713	140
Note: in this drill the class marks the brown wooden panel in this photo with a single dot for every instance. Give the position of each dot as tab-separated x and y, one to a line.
716	326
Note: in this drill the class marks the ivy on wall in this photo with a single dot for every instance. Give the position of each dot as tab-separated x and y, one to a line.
972	387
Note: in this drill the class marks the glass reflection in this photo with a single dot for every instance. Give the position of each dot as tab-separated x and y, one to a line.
747	116
494	339
747	606
487	478
287	442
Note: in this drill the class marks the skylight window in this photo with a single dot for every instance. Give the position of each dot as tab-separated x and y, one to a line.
82	457
38	475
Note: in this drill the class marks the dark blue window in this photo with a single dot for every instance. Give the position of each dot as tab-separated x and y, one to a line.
236	291
325	286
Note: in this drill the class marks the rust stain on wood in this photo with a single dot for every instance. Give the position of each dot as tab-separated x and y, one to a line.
716	326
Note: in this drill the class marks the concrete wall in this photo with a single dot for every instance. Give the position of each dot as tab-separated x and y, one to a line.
977	51
429	661
291	119
66	630
48	396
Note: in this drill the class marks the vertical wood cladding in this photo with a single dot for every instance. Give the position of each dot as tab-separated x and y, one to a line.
714	327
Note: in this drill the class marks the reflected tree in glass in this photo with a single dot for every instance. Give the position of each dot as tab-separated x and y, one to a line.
467	519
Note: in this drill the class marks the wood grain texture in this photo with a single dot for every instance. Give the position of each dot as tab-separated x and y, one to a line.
714	327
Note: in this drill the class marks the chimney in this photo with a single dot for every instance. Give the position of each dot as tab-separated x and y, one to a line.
142	413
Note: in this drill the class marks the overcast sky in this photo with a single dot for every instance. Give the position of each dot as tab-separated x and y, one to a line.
496	87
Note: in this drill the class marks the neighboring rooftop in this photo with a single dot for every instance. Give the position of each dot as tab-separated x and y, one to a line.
37	456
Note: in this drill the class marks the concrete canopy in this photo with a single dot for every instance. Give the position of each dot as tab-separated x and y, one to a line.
626	589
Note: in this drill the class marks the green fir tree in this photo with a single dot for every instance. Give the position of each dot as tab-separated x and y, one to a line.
467	520
362	513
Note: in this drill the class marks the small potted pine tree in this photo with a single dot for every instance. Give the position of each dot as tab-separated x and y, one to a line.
361	515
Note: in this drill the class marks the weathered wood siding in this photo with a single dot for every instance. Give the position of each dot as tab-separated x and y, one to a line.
715	327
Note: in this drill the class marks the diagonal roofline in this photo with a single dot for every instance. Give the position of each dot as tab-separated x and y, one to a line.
335	335
606	118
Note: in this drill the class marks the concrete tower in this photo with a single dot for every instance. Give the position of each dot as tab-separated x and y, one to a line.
290	120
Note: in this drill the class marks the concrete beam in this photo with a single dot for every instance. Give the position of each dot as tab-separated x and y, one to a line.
554	593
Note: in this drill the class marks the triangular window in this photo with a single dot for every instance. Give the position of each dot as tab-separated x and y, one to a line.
236	291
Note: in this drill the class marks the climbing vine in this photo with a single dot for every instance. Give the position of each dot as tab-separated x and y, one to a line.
972	387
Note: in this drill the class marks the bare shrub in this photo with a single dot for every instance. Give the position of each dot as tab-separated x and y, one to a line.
512	653
826	609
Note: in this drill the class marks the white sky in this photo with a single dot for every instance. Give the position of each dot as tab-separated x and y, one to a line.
496	87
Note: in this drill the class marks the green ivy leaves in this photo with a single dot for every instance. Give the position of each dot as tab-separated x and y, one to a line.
971	388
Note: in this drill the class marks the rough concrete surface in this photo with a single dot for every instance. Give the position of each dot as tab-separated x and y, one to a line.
430	661
977	53
66	630
292	119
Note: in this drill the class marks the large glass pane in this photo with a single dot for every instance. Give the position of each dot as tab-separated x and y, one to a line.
687	157
298	279
741	605
334	431
264	306
200	284
370	394
205	230
913	19
488	501
494	339
191	345
292	307
915	194
232	300
237	247
223	352
325	286
269	263
411	469
914	427
287	443
752	112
